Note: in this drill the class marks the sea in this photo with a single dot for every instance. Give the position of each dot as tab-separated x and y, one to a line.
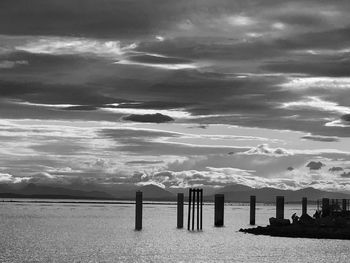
54	231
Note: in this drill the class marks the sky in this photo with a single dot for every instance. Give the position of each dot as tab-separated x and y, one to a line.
185	93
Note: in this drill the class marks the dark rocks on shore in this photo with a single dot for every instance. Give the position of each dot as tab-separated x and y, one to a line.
328	228
300	232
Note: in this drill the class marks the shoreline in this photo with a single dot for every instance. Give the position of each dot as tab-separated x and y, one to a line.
298	231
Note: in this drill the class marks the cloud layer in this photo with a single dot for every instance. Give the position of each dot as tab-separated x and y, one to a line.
119	92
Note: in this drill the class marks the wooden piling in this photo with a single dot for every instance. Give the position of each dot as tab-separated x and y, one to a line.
197	192
193	207
180	210
138	216
344	208
252	209
201	223
280	207
189	208
325	207
219	210
304	206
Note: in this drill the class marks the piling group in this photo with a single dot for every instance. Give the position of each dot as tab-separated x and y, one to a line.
195	209
195	194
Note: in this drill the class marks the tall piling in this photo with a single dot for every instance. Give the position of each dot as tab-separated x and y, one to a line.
252	209
280	207
325	207
193	207
219	210
197	192
180	210
304	205
189	209
201	221
138	211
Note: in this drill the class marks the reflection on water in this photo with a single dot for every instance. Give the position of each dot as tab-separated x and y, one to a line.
35	232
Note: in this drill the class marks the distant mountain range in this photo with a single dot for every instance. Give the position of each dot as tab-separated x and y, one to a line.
238	193
233	193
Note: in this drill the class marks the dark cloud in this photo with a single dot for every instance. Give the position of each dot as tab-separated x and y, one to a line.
82	108
346	117
41	93
107	19
155	118
335	169
315	165
321	39
331	66
158	59
345	175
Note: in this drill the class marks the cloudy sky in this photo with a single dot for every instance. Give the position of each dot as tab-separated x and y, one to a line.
176	93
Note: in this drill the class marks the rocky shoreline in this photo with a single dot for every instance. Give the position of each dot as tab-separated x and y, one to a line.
325	225
300	231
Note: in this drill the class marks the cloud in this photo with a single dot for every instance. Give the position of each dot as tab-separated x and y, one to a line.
317	83
316	103
240	20
210	177
264	149
279	67
6	64
143	162
157	65
320	138
158	61
346	117
156	118
345	175
315	165
8	178
74	46
335	169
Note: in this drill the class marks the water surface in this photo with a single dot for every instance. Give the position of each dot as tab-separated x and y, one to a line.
63	232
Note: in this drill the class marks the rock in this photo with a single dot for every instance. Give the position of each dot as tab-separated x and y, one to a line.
279	222
306	220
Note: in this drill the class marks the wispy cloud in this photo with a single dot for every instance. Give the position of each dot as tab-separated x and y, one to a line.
6	64
76	46
316	103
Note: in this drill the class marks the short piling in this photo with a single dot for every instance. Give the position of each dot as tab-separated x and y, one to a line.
325	207
138	217
252	209
219	210
304	206
280	207
180	210
189	209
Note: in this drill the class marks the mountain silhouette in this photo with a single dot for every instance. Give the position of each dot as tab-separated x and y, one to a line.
153	192
241	193
233	193
42	191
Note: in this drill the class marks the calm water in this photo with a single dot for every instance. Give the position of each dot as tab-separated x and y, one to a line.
104	233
